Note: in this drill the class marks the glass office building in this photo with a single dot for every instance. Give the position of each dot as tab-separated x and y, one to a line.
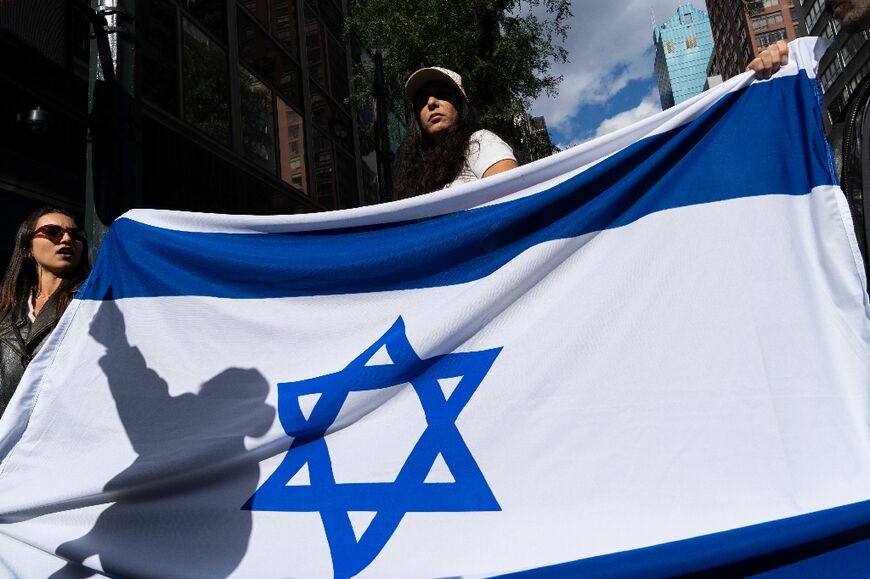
684	46
235	106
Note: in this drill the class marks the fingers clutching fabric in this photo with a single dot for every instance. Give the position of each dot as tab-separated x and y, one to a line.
770	60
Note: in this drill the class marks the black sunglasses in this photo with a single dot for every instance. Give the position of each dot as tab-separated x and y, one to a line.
55	233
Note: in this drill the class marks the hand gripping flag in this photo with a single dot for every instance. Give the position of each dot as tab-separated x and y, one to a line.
648	355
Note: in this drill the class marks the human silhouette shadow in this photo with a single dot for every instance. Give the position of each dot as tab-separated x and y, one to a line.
176	510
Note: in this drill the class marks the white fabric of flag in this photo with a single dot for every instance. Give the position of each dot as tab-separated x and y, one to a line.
646	355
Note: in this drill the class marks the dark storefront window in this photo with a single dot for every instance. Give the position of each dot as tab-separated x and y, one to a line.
291	144
206	102
258	132
159	55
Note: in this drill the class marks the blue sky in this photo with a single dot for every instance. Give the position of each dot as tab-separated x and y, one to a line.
609	79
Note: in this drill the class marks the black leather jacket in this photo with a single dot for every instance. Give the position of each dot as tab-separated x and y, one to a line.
850	139
20	340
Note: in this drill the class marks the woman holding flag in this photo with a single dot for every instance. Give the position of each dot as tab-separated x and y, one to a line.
48	264
446	145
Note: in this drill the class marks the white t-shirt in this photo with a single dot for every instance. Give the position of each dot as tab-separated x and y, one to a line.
485	149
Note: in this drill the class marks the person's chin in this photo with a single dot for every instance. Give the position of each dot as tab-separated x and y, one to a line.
64	267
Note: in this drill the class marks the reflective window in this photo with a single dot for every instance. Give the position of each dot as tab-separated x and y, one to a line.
212	14
258	132
325	186
315	47
330	118
331	15
259	8
284	25
204	66
260	53
159	39
338	85
291	144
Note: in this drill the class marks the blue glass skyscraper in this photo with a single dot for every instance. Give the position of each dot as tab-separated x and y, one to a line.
684	46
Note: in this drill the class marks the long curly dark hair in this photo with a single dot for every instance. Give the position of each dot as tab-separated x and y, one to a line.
21	276
423	164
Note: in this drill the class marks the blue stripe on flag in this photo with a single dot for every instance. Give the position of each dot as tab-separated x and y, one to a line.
730	152
830	543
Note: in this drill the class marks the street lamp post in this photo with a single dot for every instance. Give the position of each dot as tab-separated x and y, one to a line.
112	178
385	155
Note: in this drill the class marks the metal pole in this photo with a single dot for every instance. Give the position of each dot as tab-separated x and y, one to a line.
111	181
93	226
385	155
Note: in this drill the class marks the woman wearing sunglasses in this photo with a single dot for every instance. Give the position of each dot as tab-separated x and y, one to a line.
446	146
48	264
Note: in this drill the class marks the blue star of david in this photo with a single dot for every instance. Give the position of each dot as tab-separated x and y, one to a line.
410	492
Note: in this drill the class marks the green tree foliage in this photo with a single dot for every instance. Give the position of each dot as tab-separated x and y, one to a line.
753	6
504	50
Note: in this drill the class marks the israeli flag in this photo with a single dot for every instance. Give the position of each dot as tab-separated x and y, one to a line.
648	355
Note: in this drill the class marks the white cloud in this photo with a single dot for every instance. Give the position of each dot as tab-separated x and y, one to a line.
609	45
650	105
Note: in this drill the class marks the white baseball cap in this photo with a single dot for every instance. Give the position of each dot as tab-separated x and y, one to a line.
433	73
